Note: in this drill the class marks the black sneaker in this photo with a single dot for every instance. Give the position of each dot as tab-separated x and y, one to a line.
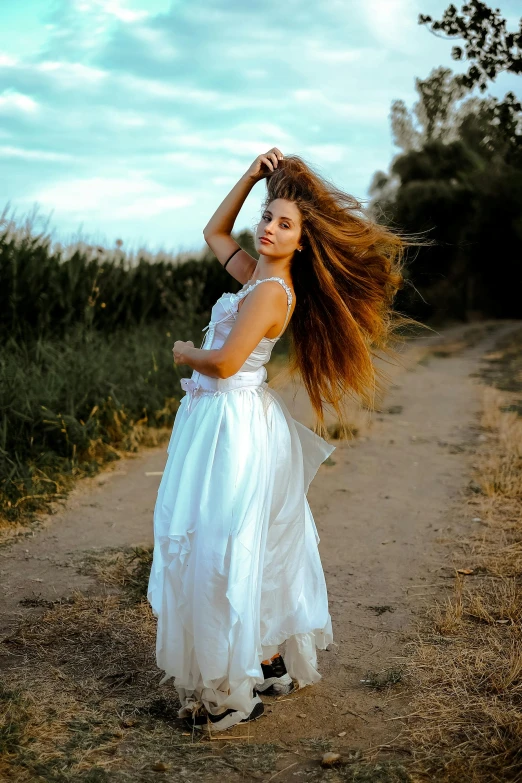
204	721
277	680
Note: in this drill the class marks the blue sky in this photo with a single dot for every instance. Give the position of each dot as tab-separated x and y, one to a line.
133	119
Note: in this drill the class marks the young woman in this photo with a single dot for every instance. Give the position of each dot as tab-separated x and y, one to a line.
236	569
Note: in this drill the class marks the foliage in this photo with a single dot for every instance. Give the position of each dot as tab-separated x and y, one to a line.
68	405
45	290
86	367
487	41
436	111
459	179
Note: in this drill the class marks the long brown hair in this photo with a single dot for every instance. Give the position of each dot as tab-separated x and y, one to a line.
345	280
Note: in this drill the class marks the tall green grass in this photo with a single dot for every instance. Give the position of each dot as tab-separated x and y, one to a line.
45	288
86	367
68	406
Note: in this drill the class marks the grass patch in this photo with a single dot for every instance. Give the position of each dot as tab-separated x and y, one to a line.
383	680
502	367
317	744
379	772
127	569
72	407
68	666
337	431
260	758
381	609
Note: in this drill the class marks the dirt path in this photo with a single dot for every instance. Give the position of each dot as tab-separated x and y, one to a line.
383	511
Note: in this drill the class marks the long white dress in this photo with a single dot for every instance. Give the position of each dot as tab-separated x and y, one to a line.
236	566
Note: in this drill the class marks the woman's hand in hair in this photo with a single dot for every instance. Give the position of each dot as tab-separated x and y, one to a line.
264	164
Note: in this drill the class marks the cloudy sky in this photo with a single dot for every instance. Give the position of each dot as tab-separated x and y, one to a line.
133	119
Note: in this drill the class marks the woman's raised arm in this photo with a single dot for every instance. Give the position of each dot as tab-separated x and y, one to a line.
218	231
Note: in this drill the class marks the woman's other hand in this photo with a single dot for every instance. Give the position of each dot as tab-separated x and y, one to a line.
264	164
178	350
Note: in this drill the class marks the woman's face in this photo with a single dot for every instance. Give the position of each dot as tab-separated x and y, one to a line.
281	224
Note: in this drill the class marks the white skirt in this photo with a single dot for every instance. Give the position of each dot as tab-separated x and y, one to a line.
236	565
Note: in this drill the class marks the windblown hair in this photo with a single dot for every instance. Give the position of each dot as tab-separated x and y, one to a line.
345	280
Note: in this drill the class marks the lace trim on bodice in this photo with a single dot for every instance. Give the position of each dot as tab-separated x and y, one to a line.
279	280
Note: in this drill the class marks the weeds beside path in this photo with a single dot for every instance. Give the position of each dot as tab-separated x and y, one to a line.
466	715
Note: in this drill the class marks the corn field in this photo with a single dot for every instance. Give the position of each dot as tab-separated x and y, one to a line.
86	368
45	290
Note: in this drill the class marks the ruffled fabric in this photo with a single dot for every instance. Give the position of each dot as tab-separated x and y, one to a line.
235	563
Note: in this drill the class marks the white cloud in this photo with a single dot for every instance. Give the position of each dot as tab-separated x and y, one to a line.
270	129
160	89
319	51
325	153
121	197
188	161
115	8
228	181
392	22
335	56
82	27
256	73
233	146
141	125
6	61
118	9
159	45
72	75
42	155
152	206
337	107
119	118
16	102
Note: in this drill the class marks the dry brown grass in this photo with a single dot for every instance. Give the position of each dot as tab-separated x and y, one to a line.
79	698
465	720
60	696
79	701
501	468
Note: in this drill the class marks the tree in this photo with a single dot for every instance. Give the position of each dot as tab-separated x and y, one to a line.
434	116
459	176
487	42
460	181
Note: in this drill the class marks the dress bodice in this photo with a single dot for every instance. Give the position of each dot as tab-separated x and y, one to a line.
223	316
